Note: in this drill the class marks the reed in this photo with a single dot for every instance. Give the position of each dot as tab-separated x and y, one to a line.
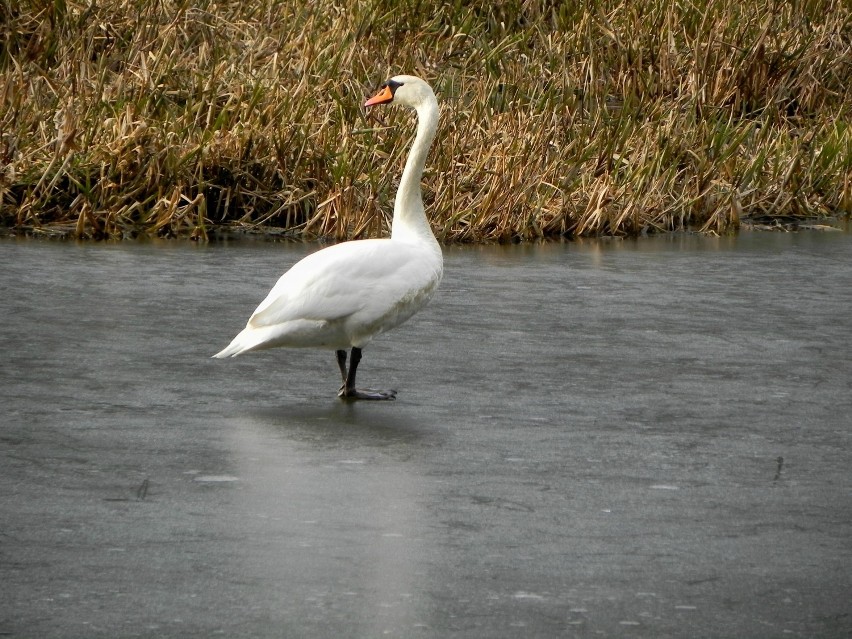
182	118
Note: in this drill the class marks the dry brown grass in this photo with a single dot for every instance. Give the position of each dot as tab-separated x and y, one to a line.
178	118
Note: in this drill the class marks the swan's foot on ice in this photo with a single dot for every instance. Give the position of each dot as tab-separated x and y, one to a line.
348	390
365	393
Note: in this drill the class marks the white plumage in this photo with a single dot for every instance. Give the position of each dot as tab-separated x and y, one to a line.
344	295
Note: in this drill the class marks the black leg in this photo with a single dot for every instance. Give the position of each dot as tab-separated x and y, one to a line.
353	366
348	391
341	364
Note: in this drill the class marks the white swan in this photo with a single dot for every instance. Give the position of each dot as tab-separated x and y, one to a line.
344	295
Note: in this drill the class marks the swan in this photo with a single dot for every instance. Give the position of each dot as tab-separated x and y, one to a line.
343	296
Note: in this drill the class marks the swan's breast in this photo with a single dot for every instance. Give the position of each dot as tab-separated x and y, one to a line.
376	318
398	294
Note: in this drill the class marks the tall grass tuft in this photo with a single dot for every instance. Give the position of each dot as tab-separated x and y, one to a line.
175	118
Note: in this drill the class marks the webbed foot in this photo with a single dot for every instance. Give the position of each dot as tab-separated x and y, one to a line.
365	393
348	390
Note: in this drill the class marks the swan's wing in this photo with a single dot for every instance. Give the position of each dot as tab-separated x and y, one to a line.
339	281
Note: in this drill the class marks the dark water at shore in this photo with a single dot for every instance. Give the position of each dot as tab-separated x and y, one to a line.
643	439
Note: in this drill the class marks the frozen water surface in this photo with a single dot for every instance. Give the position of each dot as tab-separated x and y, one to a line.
624	439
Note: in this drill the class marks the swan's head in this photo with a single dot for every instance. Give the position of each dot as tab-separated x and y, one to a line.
408	90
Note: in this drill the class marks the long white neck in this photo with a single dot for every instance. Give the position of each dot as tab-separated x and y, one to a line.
409	218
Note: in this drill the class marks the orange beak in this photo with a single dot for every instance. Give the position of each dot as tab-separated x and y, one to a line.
382	97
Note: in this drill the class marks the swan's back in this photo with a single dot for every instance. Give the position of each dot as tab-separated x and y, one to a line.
362	281
343	296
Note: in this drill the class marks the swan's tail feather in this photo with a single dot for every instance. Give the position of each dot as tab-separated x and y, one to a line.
246	340
252	338
232	350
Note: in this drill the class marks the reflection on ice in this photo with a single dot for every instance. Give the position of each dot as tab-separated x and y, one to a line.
364	536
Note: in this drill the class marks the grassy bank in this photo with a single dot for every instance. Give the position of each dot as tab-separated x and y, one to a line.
179	118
